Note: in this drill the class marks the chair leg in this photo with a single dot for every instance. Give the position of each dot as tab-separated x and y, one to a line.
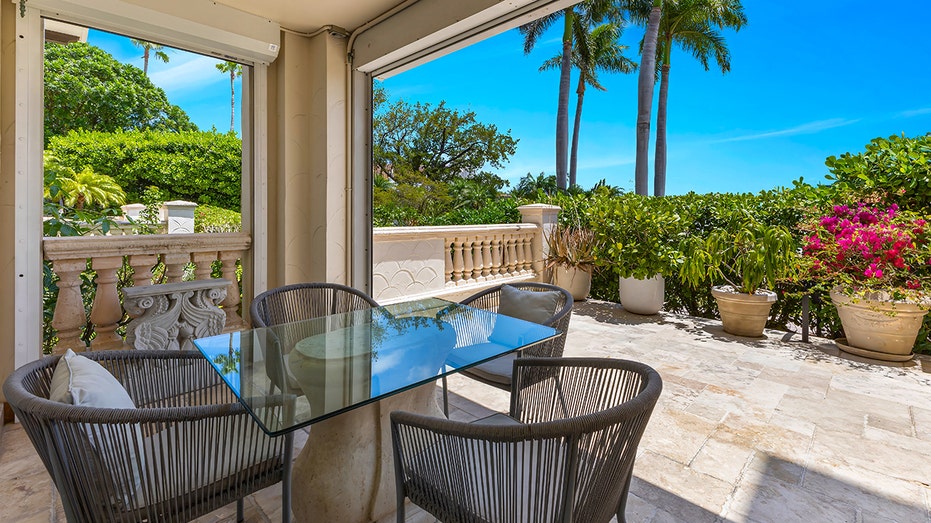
445	398
240	512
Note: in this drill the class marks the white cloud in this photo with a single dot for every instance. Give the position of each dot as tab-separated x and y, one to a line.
915	112
806	128
191	74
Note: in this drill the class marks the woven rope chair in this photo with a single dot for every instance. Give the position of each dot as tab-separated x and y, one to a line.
497	373
294	303
566	456
187	449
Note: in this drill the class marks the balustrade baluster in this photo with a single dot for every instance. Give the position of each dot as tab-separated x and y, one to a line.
495	256
458	260
203	264
527	254
511	255
174	265
142	265
106	311
69	317
477	262
233	297
468	262
486	259
449	246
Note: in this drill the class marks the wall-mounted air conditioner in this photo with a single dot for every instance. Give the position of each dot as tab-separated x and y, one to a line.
196	25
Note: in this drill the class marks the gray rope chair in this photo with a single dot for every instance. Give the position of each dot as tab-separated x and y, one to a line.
187	449
566	453
295	303
497	373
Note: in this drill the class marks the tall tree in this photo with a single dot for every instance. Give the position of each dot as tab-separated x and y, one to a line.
86	88
595	50
693	25
573	25
436	142
147	49
234	70
645	97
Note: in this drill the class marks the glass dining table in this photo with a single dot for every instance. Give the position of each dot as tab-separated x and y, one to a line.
344	373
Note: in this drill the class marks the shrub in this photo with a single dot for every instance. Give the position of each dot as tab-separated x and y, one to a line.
894	170
210	219
201	167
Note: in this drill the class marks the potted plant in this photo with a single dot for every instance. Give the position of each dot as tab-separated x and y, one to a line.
877	264
748	256
640	236
571	258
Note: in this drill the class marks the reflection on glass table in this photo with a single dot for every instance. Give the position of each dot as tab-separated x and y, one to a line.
347	360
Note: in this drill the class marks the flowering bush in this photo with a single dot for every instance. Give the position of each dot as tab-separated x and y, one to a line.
869	250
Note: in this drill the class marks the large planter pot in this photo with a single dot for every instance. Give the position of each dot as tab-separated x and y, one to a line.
574	280
879	329
642	296
743	314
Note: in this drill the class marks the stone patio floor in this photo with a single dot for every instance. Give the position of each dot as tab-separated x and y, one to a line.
746	430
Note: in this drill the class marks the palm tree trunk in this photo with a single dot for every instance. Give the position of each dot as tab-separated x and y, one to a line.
573	162
659	162
232	100
645	98
562	110
145	61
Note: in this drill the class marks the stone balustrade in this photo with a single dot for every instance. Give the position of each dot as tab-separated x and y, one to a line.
106	255
168	316
414	261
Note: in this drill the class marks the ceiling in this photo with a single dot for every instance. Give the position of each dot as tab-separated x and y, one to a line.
309	15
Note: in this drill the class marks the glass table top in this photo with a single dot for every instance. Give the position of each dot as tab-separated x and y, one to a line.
291	375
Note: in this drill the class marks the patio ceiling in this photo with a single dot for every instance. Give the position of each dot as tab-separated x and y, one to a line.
309	15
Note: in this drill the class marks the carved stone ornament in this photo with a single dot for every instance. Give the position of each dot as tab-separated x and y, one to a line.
168	316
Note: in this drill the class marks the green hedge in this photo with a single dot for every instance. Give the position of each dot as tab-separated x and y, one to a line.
200	167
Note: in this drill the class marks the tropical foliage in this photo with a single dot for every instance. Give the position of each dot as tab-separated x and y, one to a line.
201	167
86	88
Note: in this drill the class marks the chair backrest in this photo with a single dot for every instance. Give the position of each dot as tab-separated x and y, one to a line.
148	463
303	301
490	299
570	460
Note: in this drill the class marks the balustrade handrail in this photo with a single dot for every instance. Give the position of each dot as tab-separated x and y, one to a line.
69	247
442	231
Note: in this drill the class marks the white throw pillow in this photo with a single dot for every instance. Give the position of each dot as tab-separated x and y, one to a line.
83	382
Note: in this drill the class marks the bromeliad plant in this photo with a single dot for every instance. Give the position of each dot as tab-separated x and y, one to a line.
871	252
571	247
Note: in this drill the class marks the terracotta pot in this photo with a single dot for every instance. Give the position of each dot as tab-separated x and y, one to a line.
642	296
743	314
574	280
879	329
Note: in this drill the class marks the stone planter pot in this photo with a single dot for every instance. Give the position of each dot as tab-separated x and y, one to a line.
743	314
574	280
642	296
878	329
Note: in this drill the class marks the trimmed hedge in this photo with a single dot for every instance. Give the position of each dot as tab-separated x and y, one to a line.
200	167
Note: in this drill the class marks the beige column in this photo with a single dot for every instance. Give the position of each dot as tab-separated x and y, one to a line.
7	194
307	176
545	216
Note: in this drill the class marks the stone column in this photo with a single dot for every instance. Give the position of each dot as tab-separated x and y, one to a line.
545	216
106	311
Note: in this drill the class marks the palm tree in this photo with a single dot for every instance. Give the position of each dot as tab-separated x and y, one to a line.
78	189
234	70
645	93
594	51
594	10
147	48
693	25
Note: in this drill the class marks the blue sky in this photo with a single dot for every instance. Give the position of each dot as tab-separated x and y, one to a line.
808	80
